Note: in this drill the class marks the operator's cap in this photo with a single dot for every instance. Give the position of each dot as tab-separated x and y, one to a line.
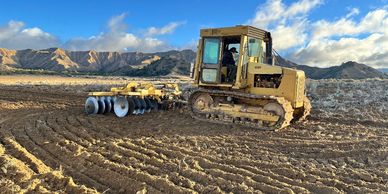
233	50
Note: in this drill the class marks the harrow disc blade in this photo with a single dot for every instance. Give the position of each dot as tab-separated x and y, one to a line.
175	105
91	105
121	106
178	105
108	105
101	106
112	100
164	105
143	105
148	105
137	105
132	106
154	104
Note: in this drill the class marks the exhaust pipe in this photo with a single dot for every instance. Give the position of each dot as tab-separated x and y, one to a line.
191	70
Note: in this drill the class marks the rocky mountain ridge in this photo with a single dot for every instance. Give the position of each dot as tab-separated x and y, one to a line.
150	64
347	70
116	63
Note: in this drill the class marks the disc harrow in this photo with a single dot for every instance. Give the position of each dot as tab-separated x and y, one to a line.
135	99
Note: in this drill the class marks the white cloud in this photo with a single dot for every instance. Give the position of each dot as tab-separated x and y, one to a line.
270	12
302	7
15	36
167	29
275	12
353	12
327	52
372	22
288	36
117	42
34	32
116	23
325	43
116	38
335	42
286	23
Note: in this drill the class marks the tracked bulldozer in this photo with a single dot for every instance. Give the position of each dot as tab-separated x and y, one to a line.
235	82
249	89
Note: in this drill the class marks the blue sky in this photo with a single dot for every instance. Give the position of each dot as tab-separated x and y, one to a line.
313	32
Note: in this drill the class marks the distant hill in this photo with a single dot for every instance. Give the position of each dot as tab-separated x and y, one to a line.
113	63
347	70
55	60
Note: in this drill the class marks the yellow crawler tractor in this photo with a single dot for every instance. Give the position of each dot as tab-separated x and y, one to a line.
236	81
134	98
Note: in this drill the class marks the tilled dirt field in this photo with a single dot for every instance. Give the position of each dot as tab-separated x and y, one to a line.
47	144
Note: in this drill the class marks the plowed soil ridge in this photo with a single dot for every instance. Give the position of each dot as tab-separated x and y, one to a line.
47	144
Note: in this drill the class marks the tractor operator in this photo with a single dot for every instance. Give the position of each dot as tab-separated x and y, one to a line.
228	61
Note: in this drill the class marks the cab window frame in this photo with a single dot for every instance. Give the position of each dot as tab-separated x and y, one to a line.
205	49
208	67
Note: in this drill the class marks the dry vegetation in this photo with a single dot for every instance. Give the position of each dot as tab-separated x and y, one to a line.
47	144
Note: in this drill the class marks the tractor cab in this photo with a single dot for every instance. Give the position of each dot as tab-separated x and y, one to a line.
219	63
224	53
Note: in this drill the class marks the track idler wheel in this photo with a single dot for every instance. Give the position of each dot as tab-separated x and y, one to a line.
121	106
275	108
201	102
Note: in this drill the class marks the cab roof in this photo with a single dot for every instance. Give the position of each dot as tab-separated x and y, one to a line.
234	31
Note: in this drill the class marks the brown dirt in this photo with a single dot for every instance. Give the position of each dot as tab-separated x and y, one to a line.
47	144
